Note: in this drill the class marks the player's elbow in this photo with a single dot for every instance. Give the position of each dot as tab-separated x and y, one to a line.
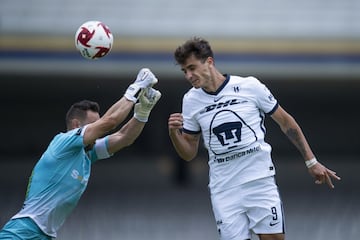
118	141
127	141
188	159
187	156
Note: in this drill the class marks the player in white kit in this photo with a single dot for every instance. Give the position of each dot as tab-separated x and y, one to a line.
229	112
61	175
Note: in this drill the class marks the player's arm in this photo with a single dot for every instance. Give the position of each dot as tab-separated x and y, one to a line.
132	129
111	119
125	136
293	131
186	145
117	113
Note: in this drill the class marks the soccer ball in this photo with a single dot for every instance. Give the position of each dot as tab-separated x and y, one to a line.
93	39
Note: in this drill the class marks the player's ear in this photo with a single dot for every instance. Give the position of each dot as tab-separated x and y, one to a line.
75	123
210	61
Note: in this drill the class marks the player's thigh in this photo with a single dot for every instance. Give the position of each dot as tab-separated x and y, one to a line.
230	216
265	211
22	229
5	235
9	230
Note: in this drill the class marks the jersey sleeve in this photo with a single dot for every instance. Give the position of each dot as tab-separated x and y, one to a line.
190	124
66	143
99	150
264	98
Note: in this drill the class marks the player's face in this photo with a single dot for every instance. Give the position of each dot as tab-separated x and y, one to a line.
91	117
197	72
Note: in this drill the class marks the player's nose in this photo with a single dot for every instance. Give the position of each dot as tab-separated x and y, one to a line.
188	75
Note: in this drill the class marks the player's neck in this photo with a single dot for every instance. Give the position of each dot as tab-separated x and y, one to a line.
217	80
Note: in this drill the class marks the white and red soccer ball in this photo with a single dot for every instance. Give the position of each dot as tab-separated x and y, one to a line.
93	39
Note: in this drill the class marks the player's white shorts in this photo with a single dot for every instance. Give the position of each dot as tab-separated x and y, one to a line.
251	207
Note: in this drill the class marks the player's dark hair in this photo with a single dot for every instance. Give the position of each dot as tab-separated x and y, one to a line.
196	46
79	110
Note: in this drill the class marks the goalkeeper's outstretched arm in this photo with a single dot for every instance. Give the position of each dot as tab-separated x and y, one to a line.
133	128
119	111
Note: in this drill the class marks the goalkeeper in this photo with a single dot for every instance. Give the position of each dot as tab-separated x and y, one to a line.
61	175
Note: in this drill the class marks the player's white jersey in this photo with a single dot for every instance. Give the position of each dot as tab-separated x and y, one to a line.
231	121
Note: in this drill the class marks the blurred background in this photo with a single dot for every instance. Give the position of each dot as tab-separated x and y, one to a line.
307	52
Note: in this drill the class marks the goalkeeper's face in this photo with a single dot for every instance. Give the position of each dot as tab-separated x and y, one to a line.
91	117
78	122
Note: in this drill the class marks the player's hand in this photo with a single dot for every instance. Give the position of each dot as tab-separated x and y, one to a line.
147	100
323	174
175	122
144	79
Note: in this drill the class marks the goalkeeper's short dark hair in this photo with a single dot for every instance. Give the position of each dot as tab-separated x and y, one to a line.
79	110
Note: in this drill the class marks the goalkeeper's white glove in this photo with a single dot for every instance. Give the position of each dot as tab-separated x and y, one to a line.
147	100
144	79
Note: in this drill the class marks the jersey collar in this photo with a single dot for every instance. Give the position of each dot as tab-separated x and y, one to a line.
227	78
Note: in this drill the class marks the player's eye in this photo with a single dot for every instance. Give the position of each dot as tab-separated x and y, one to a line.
192	68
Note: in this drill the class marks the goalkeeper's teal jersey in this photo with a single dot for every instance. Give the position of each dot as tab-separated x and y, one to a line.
58	181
